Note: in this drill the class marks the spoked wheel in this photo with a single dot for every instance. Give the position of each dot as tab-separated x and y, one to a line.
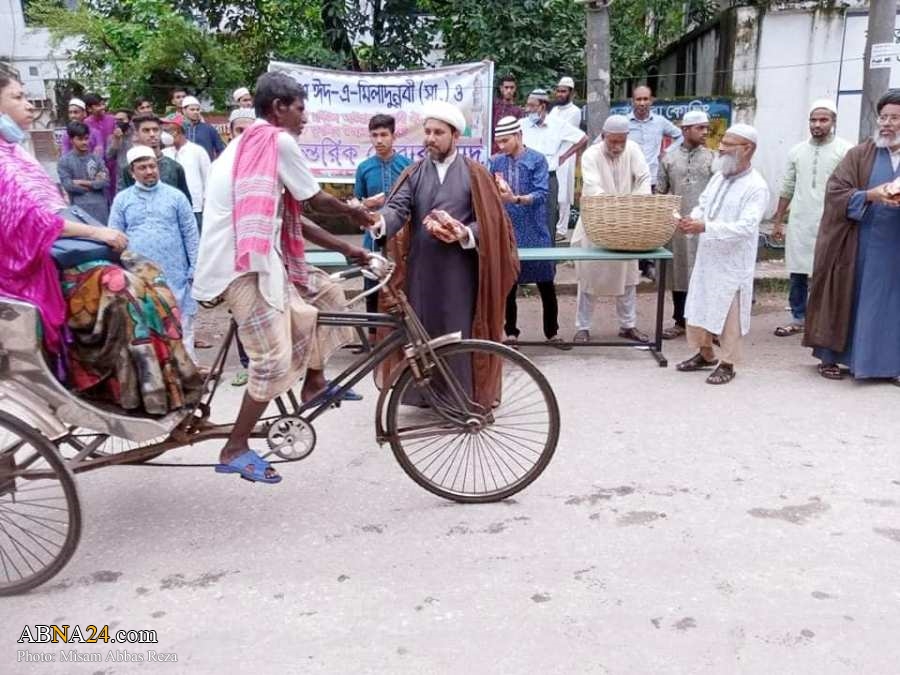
475	453
40	516
103	445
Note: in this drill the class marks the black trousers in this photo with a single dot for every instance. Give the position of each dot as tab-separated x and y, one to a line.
552	206
679	298
550	310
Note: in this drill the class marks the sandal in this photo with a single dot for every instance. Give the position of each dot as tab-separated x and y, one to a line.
787	331
511	341
634	334
251	467
673	331
559	343
831	371
696	362
582	336
722	375
240	378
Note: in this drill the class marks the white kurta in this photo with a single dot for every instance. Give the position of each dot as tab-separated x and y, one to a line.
809	167
627	174
570	113
732	210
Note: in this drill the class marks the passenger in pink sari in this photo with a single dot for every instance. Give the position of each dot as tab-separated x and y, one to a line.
109	331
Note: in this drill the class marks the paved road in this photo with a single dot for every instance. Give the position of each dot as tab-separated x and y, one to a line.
681	528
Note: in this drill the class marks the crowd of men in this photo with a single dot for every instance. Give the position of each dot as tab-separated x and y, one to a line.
150	176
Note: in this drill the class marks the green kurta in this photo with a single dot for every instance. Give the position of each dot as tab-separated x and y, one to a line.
808	169
685	173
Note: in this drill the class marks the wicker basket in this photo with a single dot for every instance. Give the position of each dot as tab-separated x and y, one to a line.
629	222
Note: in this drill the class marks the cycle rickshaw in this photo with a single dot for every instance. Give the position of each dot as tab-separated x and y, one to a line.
451	444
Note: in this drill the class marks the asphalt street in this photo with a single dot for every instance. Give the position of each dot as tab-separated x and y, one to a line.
680	528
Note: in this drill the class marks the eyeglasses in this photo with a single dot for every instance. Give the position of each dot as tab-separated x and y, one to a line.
889	119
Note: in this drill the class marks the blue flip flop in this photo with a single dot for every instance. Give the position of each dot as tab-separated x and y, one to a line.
250	466
350	395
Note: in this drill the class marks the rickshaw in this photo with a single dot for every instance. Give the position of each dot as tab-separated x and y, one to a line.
449	443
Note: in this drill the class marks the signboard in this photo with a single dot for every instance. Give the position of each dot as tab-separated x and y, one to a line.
718	110
339	105
885	55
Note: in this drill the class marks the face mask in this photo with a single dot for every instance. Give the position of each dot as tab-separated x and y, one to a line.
166	139
534	117
11	131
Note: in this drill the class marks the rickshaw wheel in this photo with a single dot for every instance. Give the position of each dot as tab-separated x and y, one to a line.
109	445
40	515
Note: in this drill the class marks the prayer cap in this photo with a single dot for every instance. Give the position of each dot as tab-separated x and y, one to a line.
176	119
566	82
507	126
447	113
240	93
78	103
825	104
540	95
189	100
616	124
694	117
139	152
744	131
241	114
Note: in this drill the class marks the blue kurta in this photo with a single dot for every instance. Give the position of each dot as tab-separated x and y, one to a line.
161	226
527	175
873	340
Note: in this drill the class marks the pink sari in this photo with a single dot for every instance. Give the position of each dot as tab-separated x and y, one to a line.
29	225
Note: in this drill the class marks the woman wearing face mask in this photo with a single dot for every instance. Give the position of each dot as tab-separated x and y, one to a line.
99	321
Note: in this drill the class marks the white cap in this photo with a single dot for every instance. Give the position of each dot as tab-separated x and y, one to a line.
566	82
189	100
540	95
616	124
78	103
824	103
447	113
242	114
693	117
744	131
139	152
240	93
507	126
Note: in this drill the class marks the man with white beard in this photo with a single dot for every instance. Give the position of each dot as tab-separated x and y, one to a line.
726	220
853	316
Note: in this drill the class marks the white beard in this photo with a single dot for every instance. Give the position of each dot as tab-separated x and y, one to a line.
885	141
725	164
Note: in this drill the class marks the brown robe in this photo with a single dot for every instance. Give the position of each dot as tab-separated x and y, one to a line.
498	269
830	305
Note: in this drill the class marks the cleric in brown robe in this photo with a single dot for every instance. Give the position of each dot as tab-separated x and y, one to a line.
853	315
453	244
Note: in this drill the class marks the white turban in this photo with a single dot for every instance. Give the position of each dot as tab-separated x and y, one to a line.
824	103
615	124
241	114
78	103
507	126
447	113
189	100
744	131
240	93
694	117
139	152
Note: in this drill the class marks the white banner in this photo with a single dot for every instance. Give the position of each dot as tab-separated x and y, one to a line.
340	103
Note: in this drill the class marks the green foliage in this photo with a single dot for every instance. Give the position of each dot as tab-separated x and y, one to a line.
638	30
139	47
536	40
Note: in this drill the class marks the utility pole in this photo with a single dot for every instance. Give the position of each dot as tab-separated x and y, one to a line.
882	17
597	64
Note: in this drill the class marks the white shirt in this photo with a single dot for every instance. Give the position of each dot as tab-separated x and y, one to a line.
215	261
551	138
195	162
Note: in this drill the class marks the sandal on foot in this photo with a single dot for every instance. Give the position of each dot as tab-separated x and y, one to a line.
251	467
634	334
511	341
696	362
349	395
559	343
831	371
582	336
673	331
722	375
787	331
240	378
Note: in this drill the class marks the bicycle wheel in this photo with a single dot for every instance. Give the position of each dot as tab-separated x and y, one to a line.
475	454
40	516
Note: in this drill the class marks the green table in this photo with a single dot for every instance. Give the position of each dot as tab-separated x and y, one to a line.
331	259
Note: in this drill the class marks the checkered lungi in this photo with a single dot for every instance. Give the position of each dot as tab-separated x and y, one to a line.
282	345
